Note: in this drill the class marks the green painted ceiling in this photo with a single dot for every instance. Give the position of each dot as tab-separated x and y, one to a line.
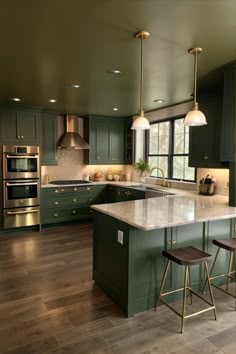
48	44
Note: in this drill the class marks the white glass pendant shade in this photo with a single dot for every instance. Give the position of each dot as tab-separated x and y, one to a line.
195	118
140	123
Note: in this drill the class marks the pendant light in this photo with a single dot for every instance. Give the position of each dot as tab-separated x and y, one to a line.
141	123
195	117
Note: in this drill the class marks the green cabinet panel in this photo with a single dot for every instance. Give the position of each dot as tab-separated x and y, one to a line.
99	194
48	138
128	143
122	194
65	204
20	126
106	138
228	148
205	141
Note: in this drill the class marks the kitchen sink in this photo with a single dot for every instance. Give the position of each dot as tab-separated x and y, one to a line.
153	192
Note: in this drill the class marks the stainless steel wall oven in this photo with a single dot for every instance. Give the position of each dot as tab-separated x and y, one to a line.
20	186
20	162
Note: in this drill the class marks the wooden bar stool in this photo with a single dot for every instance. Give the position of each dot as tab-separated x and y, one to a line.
186	257
230	246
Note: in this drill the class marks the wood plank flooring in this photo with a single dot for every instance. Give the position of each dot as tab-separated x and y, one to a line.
49	304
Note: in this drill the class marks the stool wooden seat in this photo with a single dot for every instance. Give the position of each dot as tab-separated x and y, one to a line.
230	246
186	256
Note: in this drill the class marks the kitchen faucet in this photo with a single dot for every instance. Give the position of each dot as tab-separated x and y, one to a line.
163	183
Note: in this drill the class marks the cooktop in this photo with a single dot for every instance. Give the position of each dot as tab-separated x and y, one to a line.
64	182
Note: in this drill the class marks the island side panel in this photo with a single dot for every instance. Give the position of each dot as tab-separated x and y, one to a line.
110	258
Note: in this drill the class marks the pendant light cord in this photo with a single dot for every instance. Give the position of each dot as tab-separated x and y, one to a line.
141	78
195	79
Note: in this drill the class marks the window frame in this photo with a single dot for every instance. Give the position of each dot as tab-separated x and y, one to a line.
170	156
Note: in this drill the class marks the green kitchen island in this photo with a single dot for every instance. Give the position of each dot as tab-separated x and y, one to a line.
129	238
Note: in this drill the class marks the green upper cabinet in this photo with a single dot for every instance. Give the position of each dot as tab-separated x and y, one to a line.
205	141
228	149
48	138
19	125
106	138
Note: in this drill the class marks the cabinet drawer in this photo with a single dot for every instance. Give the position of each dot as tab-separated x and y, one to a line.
80	199
65	190
49	216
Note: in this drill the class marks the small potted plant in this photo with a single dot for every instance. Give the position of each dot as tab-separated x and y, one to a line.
143	167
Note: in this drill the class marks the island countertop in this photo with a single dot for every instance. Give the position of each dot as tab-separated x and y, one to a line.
168	211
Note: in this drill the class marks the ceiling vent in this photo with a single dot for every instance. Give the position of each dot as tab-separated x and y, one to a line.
72	140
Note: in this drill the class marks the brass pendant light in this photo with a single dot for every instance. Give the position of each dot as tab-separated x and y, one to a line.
195	117
141	123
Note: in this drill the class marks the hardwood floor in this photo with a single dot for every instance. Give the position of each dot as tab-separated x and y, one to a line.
49	304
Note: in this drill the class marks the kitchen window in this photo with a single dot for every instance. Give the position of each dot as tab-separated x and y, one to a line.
168	148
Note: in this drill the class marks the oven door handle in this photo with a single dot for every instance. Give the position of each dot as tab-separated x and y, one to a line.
22	157
12	184
21	212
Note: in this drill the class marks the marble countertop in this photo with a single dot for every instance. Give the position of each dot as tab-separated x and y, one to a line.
183	208
118	183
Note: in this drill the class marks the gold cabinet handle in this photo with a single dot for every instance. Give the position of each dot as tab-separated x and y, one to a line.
75	189
56	191
205	157
55	215
22	136
88	188
74	200
62	190
98	157
90	199
74	212
18	136
172	242
56	203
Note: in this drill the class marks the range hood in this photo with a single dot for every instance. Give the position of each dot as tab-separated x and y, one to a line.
71	140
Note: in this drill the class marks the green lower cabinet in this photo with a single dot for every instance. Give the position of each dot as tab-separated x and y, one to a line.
99	194
122	194
65	204
130	270
219	230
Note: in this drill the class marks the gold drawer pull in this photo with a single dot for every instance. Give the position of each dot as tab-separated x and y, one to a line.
74	212
88	188
74	200
56	191
62	190
55	215
56	203
75	189
90	199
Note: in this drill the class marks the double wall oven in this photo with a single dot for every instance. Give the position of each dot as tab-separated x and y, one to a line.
21	186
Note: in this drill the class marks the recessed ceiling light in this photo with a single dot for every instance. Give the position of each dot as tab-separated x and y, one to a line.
114	71
159	100
16	99
52	100
74	85
115	109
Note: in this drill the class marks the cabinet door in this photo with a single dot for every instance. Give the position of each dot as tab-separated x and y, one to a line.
99	195
116	142
205	141
28	126
19	127
228	149
8	121
219	230
48	129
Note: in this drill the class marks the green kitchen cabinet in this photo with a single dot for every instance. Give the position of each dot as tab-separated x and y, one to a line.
105	136
128	143
99	194
63	204
122	194
228	147
48	138
205	141
20	125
